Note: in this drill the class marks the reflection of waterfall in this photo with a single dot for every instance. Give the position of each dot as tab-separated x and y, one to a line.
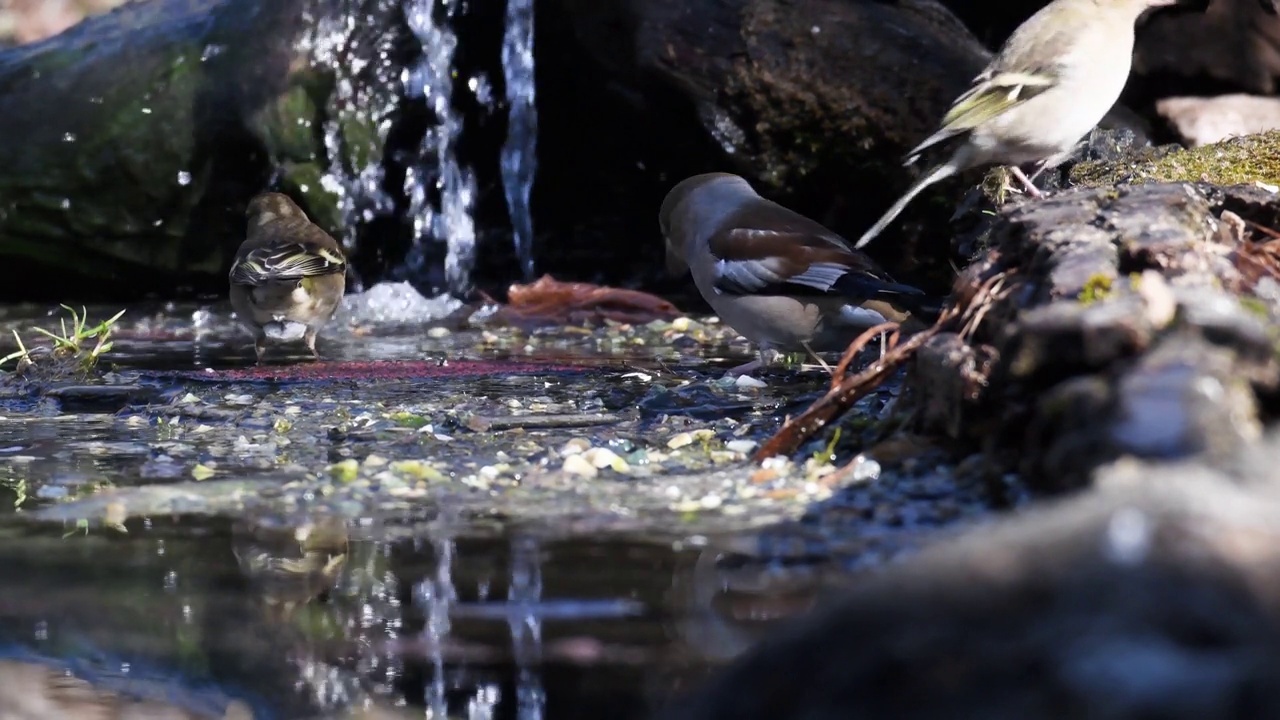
524	596
436	596
519	152
441	189
450	220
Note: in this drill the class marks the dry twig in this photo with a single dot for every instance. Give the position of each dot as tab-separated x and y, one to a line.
978	300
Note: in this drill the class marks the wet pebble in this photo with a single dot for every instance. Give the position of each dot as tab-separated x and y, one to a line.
602	458
579	465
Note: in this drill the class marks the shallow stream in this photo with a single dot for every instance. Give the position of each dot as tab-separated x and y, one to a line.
472	522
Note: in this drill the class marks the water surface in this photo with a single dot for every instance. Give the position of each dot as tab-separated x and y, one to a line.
495	585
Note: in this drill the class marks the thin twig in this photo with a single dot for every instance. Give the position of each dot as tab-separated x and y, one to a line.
845	391
858	345
838	399
1274	235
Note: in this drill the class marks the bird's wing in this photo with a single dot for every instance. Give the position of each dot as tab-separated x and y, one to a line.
287	261
991	94
797	261
1019	72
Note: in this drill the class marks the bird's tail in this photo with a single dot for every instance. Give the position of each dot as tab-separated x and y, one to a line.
940	172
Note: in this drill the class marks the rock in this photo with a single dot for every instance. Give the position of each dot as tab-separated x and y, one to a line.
948	375
1233	46
169	115
815	102
1201	121
1238	161
1154	596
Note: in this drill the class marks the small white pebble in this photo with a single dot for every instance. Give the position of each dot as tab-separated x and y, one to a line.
681	440
680	324
746	381
673	491
741	446
711	502
438	332
575	446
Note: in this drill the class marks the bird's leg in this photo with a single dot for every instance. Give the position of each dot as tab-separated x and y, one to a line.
744	369
1056	160
1026	183
259	347
310	339
821	362
766	356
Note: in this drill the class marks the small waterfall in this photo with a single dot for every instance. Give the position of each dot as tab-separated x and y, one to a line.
432	78
441	189
519	152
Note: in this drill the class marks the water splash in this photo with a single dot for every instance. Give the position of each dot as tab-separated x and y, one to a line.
359	111
439	168
519	152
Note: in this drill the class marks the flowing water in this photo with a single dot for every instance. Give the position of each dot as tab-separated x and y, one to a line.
519	152
441	189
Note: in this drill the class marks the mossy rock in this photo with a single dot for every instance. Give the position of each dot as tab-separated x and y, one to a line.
1241	160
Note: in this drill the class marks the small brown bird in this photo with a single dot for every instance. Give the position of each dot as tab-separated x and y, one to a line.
288	276
1053	80
780	279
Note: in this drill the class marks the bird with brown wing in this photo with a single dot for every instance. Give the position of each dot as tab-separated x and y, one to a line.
782	280
288	276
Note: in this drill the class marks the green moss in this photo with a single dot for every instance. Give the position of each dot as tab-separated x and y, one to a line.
285	126
1096	288
1255	306
1247	159
409	420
